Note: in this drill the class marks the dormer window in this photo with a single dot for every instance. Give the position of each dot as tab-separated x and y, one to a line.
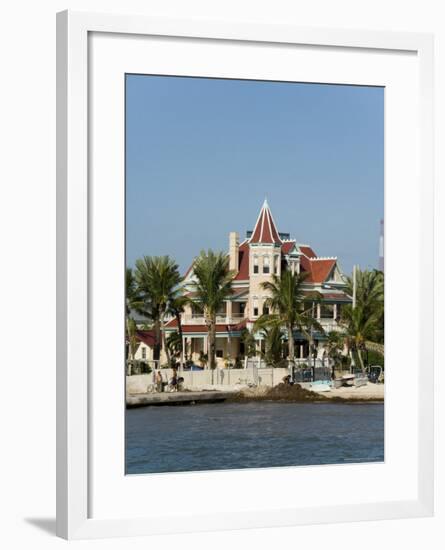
266	264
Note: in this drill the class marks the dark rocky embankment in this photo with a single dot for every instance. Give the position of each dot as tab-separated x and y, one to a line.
295	394
281	392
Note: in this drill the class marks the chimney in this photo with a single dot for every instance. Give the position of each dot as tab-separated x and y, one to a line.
233	251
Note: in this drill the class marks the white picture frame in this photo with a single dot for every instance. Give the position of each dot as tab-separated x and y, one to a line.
76	517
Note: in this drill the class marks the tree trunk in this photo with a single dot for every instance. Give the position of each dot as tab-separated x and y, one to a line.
157	346
164	342
211	342
129	364
333	366
291	344
181	345
360	358
350	353
132	351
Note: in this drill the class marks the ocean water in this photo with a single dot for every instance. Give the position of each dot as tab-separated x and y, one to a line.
252	435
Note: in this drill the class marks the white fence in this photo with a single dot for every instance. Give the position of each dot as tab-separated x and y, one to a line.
217	378
259	363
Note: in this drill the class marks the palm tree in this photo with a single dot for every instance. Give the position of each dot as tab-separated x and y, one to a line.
370	297
248	340
177	305
213	284
369	286
133	301
203	359
334	345
158	278
132	344
174	344
287	303
361	329
273	339
364	324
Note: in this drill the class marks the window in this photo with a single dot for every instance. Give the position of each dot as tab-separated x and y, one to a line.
327	311
242	307
255	308
339	306
265	310
219	353
266	264
275	264
144	353
255	264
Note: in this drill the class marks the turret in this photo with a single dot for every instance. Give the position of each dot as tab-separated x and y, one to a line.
265	258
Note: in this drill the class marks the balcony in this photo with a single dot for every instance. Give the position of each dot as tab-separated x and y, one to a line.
330	324
221	319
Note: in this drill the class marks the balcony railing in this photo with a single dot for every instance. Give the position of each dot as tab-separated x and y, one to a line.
235	318
221	319
330	324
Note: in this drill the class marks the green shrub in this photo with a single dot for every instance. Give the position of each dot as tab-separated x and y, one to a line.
375	358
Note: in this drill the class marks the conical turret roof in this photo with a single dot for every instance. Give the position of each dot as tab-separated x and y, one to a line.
265	229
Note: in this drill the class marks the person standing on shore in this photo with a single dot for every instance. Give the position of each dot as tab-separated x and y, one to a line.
174	380
159	387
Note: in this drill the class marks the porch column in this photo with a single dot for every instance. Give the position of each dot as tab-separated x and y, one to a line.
318	311
228	311
335	312
184	350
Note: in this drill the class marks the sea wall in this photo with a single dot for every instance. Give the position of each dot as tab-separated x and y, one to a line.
222	379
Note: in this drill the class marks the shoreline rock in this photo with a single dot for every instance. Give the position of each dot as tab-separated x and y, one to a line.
295	394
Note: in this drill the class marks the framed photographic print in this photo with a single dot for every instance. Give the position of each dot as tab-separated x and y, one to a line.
244	275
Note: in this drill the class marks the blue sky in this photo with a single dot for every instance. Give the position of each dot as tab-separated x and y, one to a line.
202	155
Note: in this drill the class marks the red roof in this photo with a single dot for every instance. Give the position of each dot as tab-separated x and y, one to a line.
287	246
266	232
243	271
320	269
305	264
265	229
317	269
307	251
146	336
